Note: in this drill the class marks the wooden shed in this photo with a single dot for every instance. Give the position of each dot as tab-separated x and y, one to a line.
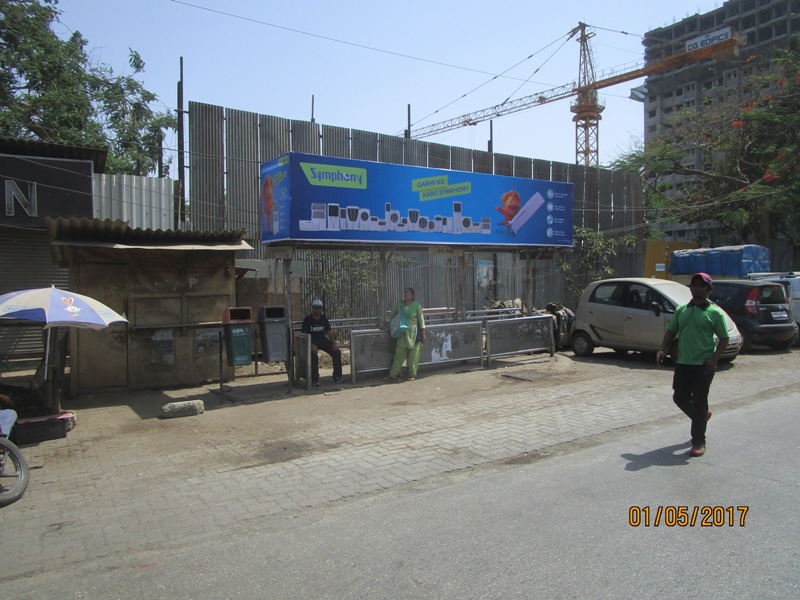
173	286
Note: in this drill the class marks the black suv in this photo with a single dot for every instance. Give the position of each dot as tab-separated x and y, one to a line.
760	310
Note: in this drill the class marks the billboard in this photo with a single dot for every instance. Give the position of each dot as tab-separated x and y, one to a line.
307	197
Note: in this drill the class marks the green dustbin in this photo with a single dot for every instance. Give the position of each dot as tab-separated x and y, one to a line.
237	330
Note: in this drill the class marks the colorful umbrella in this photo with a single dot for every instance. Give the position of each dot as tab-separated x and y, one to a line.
58	308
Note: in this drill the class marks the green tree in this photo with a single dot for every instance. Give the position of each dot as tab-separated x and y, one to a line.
51	91
590	258
748	175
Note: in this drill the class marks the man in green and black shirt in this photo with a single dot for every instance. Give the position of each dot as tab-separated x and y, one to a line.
696	323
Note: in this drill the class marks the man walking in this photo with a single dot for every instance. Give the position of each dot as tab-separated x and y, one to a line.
695	324
316	324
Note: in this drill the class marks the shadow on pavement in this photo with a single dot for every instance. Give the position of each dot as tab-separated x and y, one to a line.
669	456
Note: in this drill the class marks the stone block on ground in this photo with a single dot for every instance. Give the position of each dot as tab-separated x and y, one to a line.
187	408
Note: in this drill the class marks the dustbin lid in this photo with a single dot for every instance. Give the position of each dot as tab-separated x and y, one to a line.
271	312
238	314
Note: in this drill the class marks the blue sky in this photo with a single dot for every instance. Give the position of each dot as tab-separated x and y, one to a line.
365	62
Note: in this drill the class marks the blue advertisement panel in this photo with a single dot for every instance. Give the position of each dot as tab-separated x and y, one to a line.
325	199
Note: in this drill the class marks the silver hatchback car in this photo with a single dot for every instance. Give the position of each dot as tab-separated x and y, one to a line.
632	314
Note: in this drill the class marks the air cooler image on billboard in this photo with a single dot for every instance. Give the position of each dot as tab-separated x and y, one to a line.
525	213
313	198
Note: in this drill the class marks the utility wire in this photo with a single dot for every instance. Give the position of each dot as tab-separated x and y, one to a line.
336	40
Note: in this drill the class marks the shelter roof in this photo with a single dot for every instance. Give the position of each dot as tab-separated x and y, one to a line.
20	147
118	234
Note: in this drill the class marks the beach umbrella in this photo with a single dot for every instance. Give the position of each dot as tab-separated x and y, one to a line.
58	308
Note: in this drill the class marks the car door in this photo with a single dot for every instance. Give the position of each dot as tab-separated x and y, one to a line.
606	312
642	326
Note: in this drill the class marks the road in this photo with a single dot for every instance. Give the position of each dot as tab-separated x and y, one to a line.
556	453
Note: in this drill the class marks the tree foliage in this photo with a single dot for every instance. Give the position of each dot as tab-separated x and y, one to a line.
591	257
748	178
51	90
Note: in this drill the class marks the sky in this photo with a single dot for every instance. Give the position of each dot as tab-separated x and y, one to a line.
360	64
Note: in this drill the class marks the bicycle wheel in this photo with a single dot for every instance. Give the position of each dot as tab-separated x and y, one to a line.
13	473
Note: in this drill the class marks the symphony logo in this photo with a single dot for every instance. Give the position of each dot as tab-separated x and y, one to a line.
335	176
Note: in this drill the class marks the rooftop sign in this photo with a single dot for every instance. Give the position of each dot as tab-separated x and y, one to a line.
709	39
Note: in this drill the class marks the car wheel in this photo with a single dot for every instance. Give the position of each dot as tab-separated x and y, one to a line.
582	344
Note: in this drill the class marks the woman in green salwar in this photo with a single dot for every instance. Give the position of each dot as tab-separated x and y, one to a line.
409	344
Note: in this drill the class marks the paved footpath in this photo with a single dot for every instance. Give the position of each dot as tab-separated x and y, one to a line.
124	480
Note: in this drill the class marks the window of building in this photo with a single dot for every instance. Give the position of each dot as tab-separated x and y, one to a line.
651	114
764	34
679	91
748	22
707	85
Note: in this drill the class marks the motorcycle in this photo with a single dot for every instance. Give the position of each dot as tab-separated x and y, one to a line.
14	474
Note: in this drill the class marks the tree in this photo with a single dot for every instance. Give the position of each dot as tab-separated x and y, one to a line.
51	91
748	178
591	257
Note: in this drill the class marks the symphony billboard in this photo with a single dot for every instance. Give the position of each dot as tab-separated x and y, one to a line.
325	199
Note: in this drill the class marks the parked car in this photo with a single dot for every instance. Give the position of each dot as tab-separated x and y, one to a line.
760	310
790	280
632	314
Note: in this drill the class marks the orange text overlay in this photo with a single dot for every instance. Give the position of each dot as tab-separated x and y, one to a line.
687	516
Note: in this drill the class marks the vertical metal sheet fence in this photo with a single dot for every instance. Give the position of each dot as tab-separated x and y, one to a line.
227	146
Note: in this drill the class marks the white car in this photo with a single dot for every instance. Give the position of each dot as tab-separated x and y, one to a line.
632	314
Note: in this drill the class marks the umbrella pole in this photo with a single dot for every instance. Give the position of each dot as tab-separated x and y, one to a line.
49	389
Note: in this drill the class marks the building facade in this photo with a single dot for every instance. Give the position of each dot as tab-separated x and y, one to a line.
765	25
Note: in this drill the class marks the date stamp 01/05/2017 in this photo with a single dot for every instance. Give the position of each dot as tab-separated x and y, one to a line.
687	516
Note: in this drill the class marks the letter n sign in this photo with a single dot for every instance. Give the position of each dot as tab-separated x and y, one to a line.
27	203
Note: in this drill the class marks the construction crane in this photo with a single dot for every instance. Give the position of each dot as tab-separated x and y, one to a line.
587	106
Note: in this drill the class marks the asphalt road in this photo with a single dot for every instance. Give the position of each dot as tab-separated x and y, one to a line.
553	522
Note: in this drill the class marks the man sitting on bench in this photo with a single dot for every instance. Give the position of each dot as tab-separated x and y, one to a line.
316	324
8	416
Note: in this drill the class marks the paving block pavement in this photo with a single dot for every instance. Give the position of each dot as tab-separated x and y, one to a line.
124	480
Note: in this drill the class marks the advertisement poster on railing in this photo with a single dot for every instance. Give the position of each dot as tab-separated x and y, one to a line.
325	199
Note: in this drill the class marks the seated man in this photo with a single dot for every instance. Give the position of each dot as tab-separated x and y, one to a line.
316	324
8	416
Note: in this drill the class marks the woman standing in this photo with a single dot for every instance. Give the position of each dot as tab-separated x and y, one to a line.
409	343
